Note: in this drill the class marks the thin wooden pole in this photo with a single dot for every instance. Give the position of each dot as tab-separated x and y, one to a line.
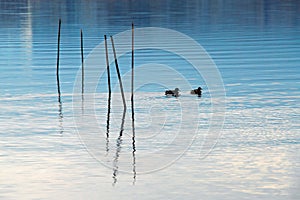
107	67
132	106
57	61
123	121
132	70
118	72
82	62
109	88
57	79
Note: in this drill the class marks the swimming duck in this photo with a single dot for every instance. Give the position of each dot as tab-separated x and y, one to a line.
174	93
197	91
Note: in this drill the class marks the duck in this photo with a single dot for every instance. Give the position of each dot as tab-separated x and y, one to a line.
197	91
174	93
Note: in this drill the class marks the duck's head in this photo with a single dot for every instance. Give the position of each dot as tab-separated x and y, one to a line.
176	89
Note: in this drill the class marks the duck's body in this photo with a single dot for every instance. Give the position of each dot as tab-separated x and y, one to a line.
174	93
197	91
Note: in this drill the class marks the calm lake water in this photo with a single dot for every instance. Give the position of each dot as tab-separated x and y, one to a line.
50	150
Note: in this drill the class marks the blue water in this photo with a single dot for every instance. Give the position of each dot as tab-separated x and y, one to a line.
50	150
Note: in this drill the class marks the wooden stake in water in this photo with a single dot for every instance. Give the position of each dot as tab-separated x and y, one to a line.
118	72
109	87
57	79
132	106
57	61
132	71
82	62
107	67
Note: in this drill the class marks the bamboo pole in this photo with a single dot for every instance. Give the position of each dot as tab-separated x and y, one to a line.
132	105
57	80
132	70
109	88
57	61
107	67
118	72
82	62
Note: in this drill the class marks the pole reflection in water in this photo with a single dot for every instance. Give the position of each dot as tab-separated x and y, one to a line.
118	150
60	116
107	124
82	104
133	152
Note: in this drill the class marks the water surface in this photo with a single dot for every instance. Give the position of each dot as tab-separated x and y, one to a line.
256	47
